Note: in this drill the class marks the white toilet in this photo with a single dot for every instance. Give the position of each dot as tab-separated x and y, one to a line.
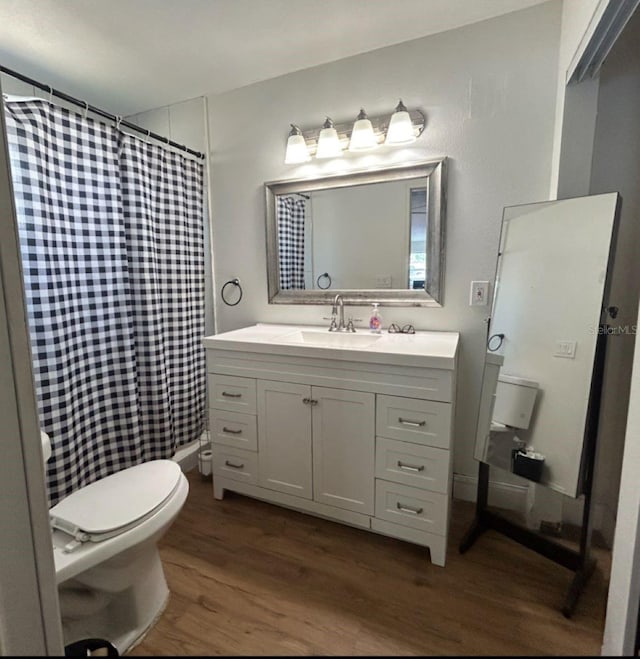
111	584
506	406
514	401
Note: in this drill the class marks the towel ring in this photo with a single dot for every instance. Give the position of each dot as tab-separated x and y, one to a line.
324	275
500	338
236	283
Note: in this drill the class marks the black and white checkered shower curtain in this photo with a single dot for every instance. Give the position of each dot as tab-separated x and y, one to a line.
290	217
111	235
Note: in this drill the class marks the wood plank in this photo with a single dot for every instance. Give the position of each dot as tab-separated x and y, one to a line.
250	578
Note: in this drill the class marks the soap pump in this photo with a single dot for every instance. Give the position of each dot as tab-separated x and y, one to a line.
375	322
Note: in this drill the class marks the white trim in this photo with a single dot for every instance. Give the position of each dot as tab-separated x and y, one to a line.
501	495
29	610
624	585
207	172
187	456
605	26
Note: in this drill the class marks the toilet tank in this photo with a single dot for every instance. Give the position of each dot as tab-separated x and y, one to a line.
515	397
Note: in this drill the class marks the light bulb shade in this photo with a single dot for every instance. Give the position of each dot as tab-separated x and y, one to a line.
400	129
329	144
362	136
296	148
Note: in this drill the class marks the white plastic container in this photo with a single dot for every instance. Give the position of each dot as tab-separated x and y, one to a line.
204	462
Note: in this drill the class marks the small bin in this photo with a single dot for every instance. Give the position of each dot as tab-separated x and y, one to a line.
528	465
88	647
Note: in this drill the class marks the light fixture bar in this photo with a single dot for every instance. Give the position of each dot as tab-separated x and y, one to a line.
380	124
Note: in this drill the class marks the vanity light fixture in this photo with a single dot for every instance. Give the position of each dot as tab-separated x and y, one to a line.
328	141
362	136
297	150
400	129
403	126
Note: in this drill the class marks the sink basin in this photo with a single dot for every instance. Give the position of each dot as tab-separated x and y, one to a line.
331	339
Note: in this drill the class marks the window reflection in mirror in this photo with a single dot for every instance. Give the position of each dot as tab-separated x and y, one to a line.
418	237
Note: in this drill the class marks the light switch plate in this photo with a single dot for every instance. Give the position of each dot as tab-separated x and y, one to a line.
479	294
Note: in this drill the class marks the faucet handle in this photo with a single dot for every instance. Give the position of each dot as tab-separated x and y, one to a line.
350	327
333	326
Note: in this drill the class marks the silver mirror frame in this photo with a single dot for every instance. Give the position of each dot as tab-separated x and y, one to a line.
432	295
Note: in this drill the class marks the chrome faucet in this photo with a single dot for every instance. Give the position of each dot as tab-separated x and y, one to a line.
338	310
338	304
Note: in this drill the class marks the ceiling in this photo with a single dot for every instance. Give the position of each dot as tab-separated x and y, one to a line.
127	56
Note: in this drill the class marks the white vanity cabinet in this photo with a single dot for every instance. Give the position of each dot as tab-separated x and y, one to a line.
343	448
356	435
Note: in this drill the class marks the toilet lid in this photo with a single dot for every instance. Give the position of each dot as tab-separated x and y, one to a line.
114	503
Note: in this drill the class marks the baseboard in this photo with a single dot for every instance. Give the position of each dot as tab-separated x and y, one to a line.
501	495
514	497
187	456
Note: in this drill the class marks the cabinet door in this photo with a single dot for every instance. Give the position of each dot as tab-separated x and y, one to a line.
284	437
343	448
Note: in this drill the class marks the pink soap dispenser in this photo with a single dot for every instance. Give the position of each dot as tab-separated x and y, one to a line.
375	322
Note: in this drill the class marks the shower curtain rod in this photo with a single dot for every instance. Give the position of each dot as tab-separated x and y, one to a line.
107	115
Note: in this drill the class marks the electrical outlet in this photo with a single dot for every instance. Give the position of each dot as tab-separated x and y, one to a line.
383	281
479	295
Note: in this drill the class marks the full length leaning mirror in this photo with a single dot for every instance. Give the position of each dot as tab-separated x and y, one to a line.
548	310
372	236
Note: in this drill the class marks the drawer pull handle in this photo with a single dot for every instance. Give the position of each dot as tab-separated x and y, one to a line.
226	394
408	422
402	465
230	464
309	401
231	432
408	509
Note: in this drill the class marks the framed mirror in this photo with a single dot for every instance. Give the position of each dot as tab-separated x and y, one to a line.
549	309
372	236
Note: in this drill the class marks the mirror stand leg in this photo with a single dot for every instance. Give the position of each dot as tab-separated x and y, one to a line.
579	581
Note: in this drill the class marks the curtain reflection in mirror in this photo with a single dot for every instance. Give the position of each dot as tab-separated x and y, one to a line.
291	219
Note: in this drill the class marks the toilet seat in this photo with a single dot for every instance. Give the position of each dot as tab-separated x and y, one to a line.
112	505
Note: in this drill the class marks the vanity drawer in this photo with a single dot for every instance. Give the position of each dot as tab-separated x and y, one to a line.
228	392
410	506
234	429
413	420
235	463
419	466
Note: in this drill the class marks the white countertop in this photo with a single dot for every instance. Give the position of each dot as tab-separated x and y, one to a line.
431	349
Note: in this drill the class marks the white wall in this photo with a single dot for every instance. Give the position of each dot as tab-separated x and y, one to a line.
488	91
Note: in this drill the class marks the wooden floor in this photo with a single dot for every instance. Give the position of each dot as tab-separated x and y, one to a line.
250	578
